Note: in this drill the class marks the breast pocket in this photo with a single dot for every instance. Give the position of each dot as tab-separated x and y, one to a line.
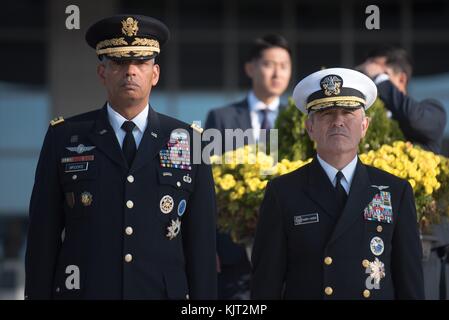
174	190
79	182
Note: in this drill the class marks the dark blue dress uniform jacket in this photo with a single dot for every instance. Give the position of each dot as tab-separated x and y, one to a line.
422	122
64	232
292	261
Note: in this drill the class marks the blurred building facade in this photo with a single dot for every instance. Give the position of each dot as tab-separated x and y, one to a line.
48	70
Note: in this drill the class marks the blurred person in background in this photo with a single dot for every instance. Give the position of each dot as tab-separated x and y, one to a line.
422	122
269	66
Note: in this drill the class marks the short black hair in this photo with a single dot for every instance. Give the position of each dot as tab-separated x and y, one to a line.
397	58
266	42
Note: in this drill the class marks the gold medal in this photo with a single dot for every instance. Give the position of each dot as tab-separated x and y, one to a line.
86	198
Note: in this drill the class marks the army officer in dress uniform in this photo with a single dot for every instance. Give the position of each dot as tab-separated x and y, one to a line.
119	210
336	228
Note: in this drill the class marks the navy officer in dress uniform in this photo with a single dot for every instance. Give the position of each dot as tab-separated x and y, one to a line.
119	210
336	228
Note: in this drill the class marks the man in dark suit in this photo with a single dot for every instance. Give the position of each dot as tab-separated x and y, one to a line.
335	228
119	210
268	65
422	122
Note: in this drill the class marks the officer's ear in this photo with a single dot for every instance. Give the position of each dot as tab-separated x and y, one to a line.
155	74
101	68
249	69
365	124
309	125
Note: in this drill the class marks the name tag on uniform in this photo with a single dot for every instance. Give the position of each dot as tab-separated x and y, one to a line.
75	167
306	219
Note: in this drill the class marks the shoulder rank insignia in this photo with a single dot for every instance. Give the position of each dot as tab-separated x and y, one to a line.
56	121
197	128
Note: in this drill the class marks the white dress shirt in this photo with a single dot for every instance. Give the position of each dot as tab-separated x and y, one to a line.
116	120
348	173
255	105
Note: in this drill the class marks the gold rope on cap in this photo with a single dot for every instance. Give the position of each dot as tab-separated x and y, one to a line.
127	49
323	101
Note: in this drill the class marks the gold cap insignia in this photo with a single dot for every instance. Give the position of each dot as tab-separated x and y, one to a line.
331	84
129	27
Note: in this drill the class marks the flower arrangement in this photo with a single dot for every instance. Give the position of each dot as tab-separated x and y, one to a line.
240	185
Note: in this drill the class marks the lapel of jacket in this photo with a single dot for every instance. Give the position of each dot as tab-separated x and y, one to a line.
321	190
104	138
154	138
242	116
360	194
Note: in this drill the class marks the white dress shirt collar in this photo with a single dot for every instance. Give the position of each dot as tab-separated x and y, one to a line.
116	120
348	172
255	104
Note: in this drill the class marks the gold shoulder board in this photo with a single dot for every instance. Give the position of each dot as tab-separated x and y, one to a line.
197	128
56	121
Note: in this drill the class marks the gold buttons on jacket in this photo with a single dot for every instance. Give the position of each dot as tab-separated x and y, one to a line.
74	177
366	293
129	231
365	263
178	184
129	204
379	228
328	291
128	257
130	179
328	261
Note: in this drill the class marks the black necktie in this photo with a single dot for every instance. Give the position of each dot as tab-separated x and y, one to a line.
341	193
129	144
265	122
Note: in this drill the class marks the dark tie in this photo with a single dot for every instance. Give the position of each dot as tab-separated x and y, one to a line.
265	121
341	193
129	144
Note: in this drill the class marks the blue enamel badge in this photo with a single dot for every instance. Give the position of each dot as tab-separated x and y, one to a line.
182	207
